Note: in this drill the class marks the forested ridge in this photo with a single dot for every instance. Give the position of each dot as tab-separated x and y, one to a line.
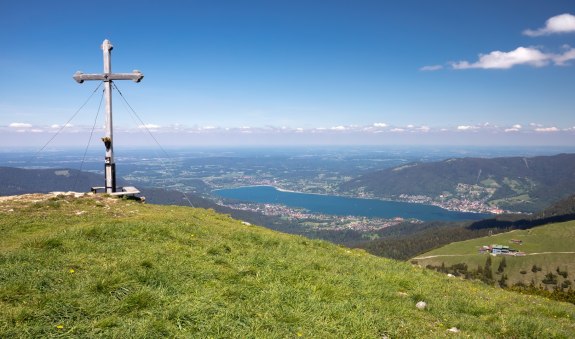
512	183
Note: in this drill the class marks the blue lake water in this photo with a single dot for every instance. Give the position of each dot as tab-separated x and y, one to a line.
335	205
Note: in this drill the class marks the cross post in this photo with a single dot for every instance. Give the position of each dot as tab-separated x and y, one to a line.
107	77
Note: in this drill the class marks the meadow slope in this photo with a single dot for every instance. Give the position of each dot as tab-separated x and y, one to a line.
98	266
547	247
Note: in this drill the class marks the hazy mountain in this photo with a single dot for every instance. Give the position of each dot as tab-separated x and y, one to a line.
510	183
14	181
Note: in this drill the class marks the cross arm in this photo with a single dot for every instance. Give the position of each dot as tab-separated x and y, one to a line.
136	76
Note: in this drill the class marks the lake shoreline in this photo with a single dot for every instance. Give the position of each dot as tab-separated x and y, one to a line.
358	206
279	189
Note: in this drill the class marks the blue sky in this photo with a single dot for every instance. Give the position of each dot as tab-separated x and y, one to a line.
294	72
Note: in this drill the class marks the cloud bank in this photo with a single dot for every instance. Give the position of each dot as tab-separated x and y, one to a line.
378	133
18	135
377	127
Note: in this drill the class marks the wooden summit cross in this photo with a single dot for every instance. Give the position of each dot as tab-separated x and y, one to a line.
107	77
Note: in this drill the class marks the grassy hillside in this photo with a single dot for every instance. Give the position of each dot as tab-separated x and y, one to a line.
547	247
408	240
99	266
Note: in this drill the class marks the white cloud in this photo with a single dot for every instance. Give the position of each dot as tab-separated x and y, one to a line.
338	128
562	59
149	126
380	125
397	130
424	129
36	130
431	68
19	125
465	128
503	60
547	129
563	23
58	126
520	56
514	128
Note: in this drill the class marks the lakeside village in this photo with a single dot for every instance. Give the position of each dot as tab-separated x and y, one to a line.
453	204
466	198
318	221
496	250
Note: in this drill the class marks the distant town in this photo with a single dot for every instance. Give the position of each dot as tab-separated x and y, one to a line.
316	221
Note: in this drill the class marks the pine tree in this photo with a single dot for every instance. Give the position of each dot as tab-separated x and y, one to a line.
503	281
487	274
502	265
479	272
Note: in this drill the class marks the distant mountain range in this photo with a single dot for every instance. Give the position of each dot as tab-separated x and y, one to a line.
16	181
510	183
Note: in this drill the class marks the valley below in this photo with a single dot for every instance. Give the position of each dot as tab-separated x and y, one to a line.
372	202
363	190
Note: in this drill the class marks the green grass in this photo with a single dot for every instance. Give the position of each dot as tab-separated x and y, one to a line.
548	240
104	267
